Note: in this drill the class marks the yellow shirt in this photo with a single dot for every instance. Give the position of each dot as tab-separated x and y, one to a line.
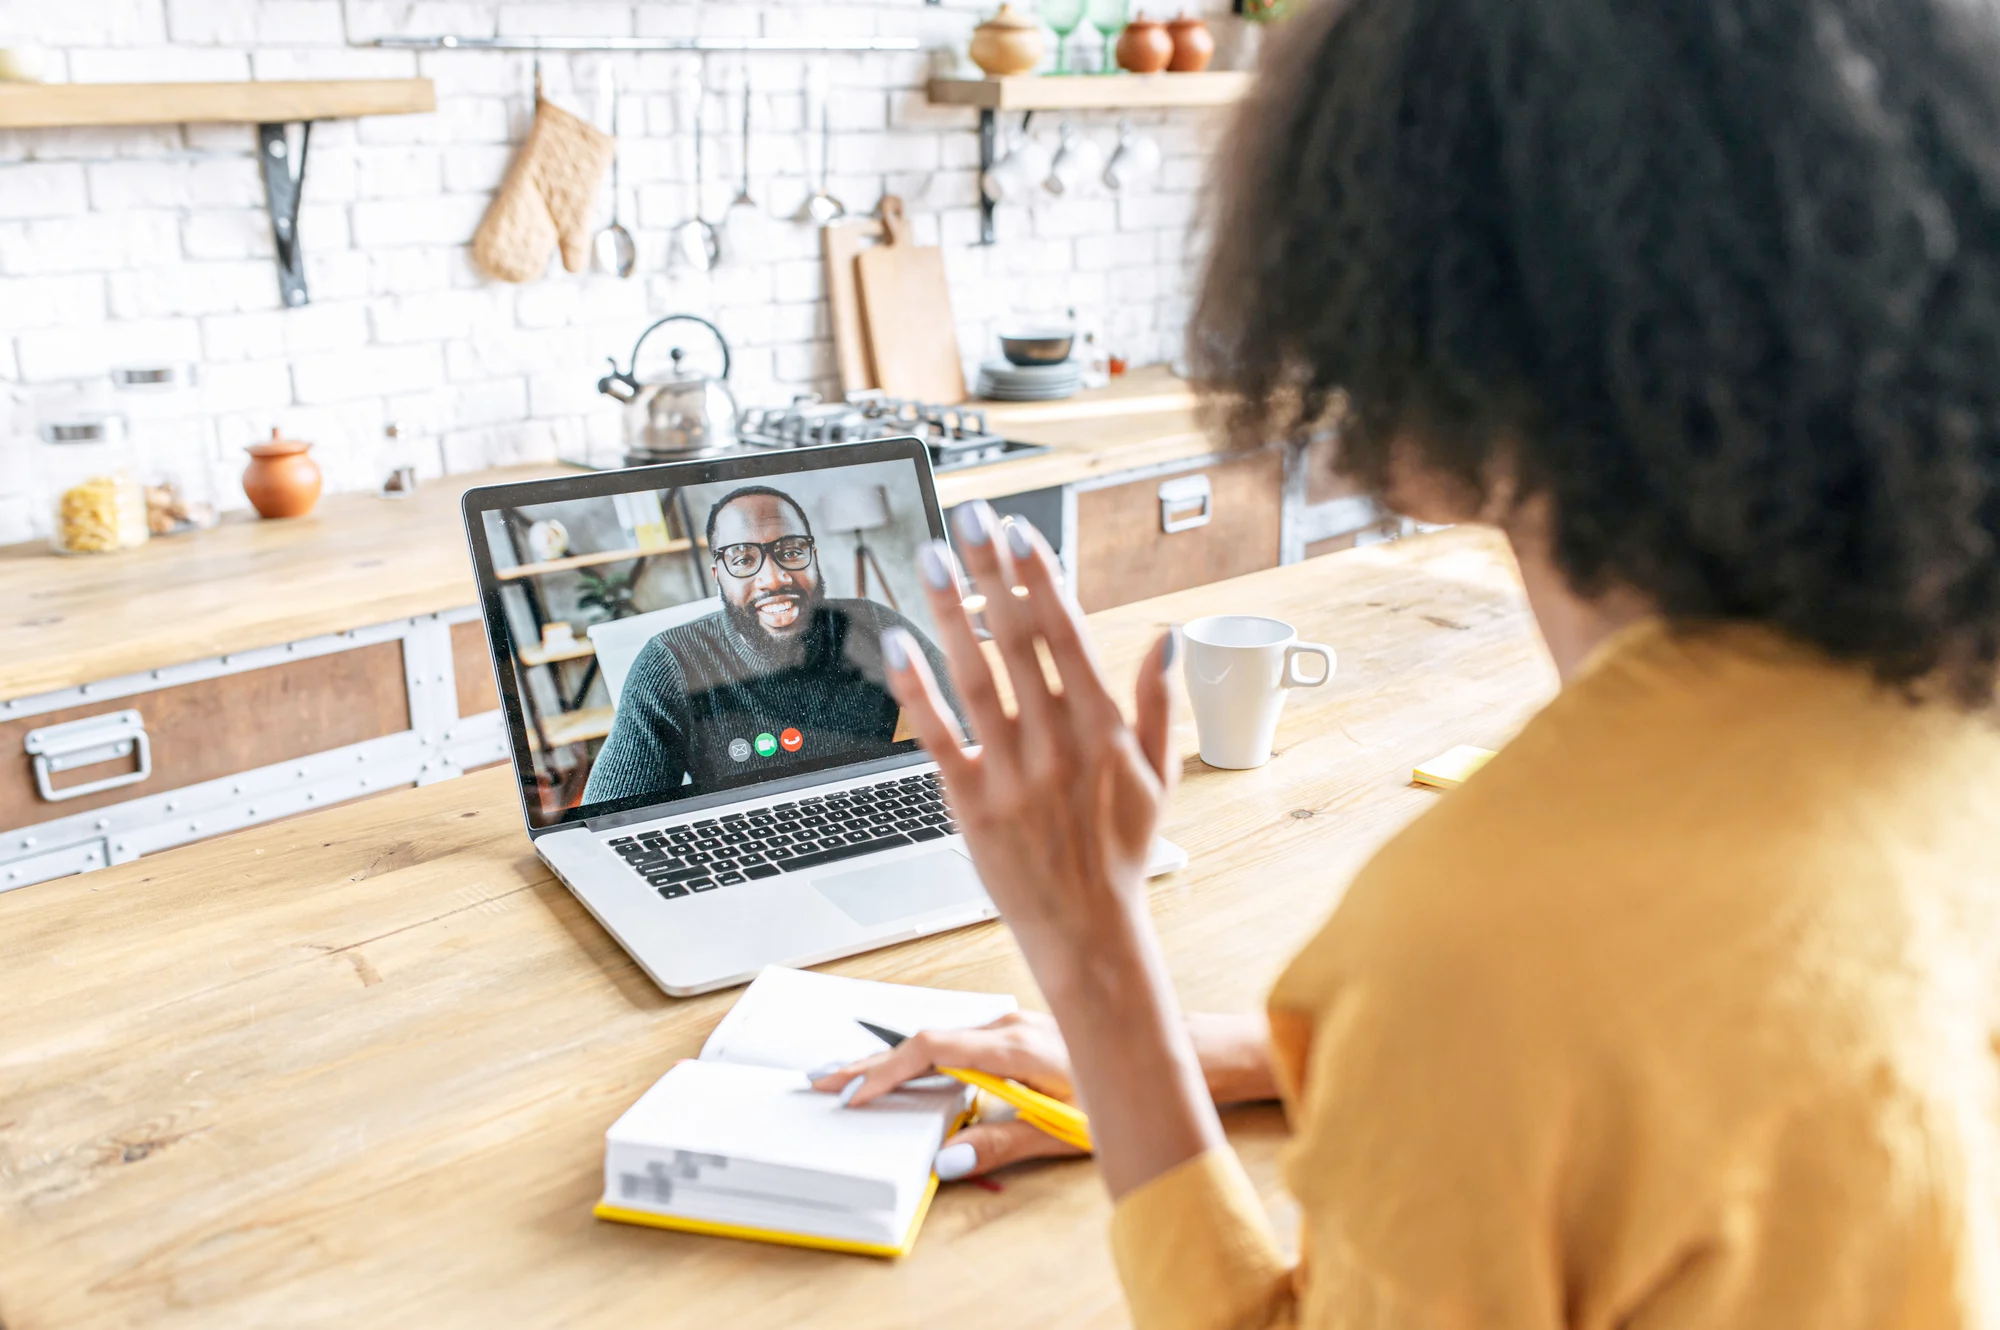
1685	1011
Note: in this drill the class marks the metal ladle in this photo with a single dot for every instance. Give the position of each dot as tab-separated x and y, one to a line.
613	247
822	208
695	239
740	224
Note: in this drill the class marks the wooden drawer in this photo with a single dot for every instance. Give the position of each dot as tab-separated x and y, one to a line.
1124	553
217	727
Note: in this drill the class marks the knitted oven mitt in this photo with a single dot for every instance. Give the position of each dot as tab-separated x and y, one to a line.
545	198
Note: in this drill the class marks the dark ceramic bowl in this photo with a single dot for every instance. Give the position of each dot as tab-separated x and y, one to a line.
1037	346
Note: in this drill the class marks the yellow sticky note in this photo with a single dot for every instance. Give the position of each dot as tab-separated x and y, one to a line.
1449	770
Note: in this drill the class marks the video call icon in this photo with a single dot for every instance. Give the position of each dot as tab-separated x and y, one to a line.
767	744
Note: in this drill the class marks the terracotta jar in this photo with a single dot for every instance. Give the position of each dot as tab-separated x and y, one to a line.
281	481
1008	43
1144	47
1193	46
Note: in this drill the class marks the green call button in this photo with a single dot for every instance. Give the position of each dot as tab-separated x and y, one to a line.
767	744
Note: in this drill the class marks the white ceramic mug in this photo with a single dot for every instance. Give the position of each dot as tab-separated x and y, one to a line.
1135	159
1239	668
1018	174
1077	159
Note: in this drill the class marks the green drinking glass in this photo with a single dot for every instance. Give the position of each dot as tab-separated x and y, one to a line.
1108	17
1063	18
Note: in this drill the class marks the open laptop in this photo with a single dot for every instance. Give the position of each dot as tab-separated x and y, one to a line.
713	765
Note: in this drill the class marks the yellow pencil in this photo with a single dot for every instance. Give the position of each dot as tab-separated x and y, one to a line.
1065	1122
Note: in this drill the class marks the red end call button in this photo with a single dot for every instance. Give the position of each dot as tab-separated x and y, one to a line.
791	741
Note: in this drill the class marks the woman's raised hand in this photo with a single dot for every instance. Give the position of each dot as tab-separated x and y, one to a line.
1060	801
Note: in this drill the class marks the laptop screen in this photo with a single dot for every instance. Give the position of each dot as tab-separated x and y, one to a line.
679	631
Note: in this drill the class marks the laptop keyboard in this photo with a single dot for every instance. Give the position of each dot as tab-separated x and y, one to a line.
786	838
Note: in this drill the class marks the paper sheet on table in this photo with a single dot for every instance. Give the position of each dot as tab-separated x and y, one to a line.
799	1019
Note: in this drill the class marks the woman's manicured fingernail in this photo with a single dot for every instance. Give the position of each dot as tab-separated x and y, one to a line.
935	565
1171	652
1017	538
975	522
955	1161
896	649
847	1093
820	1073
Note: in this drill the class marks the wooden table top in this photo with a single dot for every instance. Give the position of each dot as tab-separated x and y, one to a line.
360	559
356	1068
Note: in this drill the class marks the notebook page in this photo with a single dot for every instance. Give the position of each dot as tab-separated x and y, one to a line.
756	1124
800	1019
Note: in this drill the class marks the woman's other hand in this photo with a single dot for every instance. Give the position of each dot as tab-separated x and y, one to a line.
1026	1046
1023	1046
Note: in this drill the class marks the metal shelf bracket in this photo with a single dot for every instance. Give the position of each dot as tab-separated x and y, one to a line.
284	185
989	133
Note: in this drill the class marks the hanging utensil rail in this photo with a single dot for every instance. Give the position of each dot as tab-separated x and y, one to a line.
736	45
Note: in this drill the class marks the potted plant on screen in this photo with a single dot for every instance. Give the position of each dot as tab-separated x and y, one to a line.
611	595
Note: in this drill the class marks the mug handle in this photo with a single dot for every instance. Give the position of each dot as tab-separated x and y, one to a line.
1291	678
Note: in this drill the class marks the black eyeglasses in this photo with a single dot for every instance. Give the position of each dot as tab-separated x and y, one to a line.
794	554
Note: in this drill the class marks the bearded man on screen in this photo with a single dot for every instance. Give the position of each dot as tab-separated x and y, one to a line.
778	656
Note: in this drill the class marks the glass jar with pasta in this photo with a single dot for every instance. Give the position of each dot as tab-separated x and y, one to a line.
99	504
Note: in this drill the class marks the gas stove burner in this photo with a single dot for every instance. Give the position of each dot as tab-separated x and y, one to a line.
956	435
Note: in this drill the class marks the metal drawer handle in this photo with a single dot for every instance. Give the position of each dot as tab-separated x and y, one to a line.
80	743
1186	502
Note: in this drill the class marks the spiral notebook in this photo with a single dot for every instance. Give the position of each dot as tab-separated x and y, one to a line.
736	1143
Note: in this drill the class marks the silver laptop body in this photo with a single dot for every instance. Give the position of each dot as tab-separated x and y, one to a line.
848	851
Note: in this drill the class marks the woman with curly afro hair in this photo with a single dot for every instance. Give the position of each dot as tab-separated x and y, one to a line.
1684	1011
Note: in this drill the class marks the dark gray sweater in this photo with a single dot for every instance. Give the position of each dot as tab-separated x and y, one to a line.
699	685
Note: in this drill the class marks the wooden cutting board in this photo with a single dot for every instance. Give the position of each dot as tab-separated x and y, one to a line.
841	243
906	308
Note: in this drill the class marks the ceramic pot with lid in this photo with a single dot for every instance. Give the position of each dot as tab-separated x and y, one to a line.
1194	45
681	412
281	481
1008	43
1144	47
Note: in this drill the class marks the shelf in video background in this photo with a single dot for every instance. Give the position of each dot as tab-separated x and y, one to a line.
572	562
574	727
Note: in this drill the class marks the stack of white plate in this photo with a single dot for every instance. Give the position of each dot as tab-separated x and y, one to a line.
1002	381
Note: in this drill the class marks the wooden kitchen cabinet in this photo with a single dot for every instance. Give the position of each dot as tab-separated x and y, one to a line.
219	727
1146	537
240	739
260	670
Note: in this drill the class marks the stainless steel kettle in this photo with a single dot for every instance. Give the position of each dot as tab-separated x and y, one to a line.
685	413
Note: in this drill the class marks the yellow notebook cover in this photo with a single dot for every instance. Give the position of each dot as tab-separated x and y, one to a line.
624	1215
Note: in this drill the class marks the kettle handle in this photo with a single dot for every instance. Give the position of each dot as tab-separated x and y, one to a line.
632	367
618	385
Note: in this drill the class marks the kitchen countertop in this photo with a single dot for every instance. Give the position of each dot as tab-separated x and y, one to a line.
360	559
356	1068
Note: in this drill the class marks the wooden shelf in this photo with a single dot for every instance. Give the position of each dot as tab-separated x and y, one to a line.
575	561
65	105
574	727
1084	92
576	649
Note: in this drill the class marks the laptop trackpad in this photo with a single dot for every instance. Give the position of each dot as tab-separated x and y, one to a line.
903	888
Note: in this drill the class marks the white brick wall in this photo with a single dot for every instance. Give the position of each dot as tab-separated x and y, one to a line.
150	245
